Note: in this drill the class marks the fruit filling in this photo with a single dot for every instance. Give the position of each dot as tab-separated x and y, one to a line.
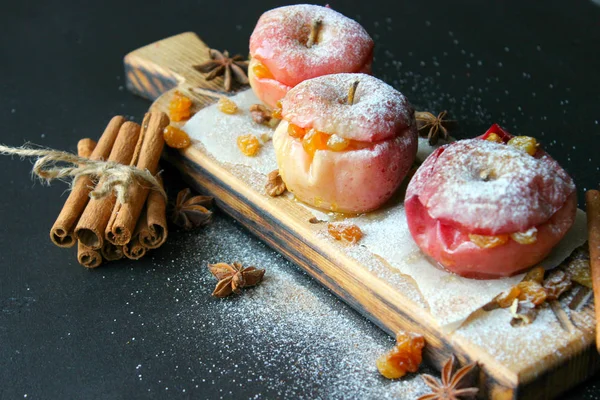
489	242
313	140
525	143
261	71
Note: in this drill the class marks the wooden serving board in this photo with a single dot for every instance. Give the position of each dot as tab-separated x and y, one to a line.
158	69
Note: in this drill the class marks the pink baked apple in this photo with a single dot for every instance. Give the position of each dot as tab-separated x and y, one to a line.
491	206
346	141
294	43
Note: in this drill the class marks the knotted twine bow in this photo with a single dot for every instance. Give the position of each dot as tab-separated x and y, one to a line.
56	164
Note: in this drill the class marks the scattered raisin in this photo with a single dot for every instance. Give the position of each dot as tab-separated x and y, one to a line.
345	232
505	299
535	275
556	284
579	271
248	144
531	291
227	106
176	138
180	107
406	356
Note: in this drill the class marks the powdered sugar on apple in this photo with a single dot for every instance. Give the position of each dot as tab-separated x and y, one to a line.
524	191
378	112
451	299
279	41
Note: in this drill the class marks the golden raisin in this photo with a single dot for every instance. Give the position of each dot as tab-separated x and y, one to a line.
527	237
493	137
276	113
579	270
227	106
248	144
535	275
176	138
406	356
261	71
557	283
488	242
337	143
505	299
180	107
525	143
295	131
531	291
345	232
313	141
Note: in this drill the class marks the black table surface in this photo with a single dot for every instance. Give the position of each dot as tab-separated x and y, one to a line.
67	332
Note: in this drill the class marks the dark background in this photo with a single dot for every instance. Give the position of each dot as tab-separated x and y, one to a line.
533	67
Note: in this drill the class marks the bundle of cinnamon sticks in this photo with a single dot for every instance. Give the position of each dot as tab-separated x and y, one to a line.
105	229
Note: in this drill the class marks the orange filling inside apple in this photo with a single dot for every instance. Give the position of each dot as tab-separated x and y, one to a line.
261	71
489	242
313	140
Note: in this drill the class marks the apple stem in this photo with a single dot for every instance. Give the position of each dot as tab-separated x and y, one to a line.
315	28
351	92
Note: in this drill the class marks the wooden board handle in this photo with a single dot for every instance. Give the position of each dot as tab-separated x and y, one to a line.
161	66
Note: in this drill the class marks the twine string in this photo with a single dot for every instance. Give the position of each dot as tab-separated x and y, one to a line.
112	176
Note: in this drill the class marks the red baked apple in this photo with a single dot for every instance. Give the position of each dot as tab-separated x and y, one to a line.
294	43
346	141
490	207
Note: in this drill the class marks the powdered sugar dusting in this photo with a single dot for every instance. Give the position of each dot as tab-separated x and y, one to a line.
286	321
218	133
522	191
379	111
521	347
280	37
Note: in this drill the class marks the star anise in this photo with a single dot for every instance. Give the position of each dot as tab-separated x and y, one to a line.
275	185
232	68
233	277
190	212
452	385
433	127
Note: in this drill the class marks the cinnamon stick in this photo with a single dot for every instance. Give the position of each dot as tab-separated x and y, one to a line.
153	229
97	213
134	250
87	257
85	147
110	252
61	232
125	216
592	200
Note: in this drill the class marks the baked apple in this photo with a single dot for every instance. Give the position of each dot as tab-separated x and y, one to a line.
490	207
345	142
294	43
